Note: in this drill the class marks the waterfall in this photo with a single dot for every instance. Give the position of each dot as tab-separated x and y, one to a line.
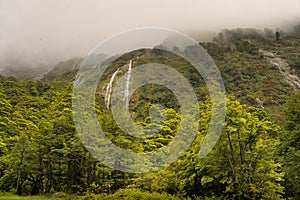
109	89
126	92
77	81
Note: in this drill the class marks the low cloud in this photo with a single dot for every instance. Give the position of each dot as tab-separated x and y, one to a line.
42	33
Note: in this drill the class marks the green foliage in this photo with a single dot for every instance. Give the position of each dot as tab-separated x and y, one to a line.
135	194
291	146
243	165
255	158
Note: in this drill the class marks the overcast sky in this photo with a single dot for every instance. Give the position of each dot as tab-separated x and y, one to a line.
36	32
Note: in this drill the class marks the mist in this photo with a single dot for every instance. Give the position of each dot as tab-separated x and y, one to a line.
35	33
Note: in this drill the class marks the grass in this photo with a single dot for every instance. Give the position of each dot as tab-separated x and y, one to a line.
122	194
11	196
16	197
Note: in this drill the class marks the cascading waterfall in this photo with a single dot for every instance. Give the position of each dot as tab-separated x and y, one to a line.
127	84
109	89
79	80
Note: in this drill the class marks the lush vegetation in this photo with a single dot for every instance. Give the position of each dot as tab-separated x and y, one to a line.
256	157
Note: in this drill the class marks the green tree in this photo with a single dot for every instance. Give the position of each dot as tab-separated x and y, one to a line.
243	164
291	147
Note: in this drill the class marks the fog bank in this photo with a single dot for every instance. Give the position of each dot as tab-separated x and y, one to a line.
42	33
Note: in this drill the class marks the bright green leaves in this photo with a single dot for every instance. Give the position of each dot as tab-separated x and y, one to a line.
40	151
242	165
291	146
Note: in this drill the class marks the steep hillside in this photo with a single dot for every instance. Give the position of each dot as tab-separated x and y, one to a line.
258	68
256	156
21	71
64	70
253	64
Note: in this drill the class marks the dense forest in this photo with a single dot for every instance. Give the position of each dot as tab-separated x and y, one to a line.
256	157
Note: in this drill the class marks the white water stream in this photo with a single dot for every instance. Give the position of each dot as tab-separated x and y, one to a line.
127	84
109	89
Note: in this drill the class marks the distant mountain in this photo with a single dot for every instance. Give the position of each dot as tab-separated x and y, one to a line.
61	70
21	72
67	70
